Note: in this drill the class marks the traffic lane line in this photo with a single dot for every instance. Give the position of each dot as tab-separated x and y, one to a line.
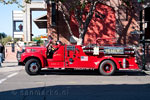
2	80
9	76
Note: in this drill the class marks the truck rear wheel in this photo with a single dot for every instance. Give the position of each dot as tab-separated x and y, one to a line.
32	67
147	66
107	68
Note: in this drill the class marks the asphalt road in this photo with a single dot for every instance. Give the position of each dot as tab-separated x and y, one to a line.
15	84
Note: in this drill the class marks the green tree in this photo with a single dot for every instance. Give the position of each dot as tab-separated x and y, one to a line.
2	35
6	2
38	40
7	39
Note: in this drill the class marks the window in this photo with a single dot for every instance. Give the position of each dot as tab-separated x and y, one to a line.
18	26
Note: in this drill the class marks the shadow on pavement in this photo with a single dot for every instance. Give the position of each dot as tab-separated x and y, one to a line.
80	92
90	72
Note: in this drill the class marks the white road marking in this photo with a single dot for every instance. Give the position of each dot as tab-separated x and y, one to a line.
9	76
2	80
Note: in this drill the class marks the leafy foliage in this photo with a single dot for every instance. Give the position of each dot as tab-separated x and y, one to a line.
38	40
16	39
6	39
2	35
6	2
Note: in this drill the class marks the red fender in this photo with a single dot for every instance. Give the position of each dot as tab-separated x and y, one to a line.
39	56
108	58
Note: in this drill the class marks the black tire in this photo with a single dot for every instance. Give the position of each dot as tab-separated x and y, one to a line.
33	67
107	68
147	66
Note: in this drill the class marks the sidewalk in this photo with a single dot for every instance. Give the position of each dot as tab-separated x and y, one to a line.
9	55
10	66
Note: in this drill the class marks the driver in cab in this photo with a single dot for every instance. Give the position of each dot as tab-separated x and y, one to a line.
52	48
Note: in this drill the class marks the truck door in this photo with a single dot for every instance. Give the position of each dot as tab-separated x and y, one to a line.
57	60
76	58
70	56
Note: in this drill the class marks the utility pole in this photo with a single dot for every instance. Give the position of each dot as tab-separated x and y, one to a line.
51	14
48	17
144	22
57	21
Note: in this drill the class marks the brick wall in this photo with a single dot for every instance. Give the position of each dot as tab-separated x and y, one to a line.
117	25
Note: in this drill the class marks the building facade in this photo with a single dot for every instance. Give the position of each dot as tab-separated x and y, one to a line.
17	17
34	5
123	18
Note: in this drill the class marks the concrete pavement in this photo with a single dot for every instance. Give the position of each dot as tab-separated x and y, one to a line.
73	85
8	70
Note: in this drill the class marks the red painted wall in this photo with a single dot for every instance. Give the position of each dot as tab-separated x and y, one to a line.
102	29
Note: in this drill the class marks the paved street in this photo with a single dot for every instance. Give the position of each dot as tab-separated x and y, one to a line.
15	84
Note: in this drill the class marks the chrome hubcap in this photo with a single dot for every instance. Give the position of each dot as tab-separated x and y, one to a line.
107	67
33	67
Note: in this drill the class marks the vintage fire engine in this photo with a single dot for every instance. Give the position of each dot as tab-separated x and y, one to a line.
106	59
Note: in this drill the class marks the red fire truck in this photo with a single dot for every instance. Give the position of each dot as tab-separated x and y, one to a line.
106	59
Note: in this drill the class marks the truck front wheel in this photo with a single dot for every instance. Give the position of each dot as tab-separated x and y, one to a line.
107	68
32	67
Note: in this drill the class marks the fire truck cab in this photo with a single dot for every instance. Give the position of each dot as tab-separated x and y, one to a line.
106	59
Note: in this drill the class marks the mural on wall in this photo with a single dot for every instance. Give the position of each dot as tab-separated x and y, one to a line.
102	28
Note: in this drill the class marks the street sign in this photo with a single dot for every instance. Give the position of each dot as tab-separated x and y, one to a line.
136	32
